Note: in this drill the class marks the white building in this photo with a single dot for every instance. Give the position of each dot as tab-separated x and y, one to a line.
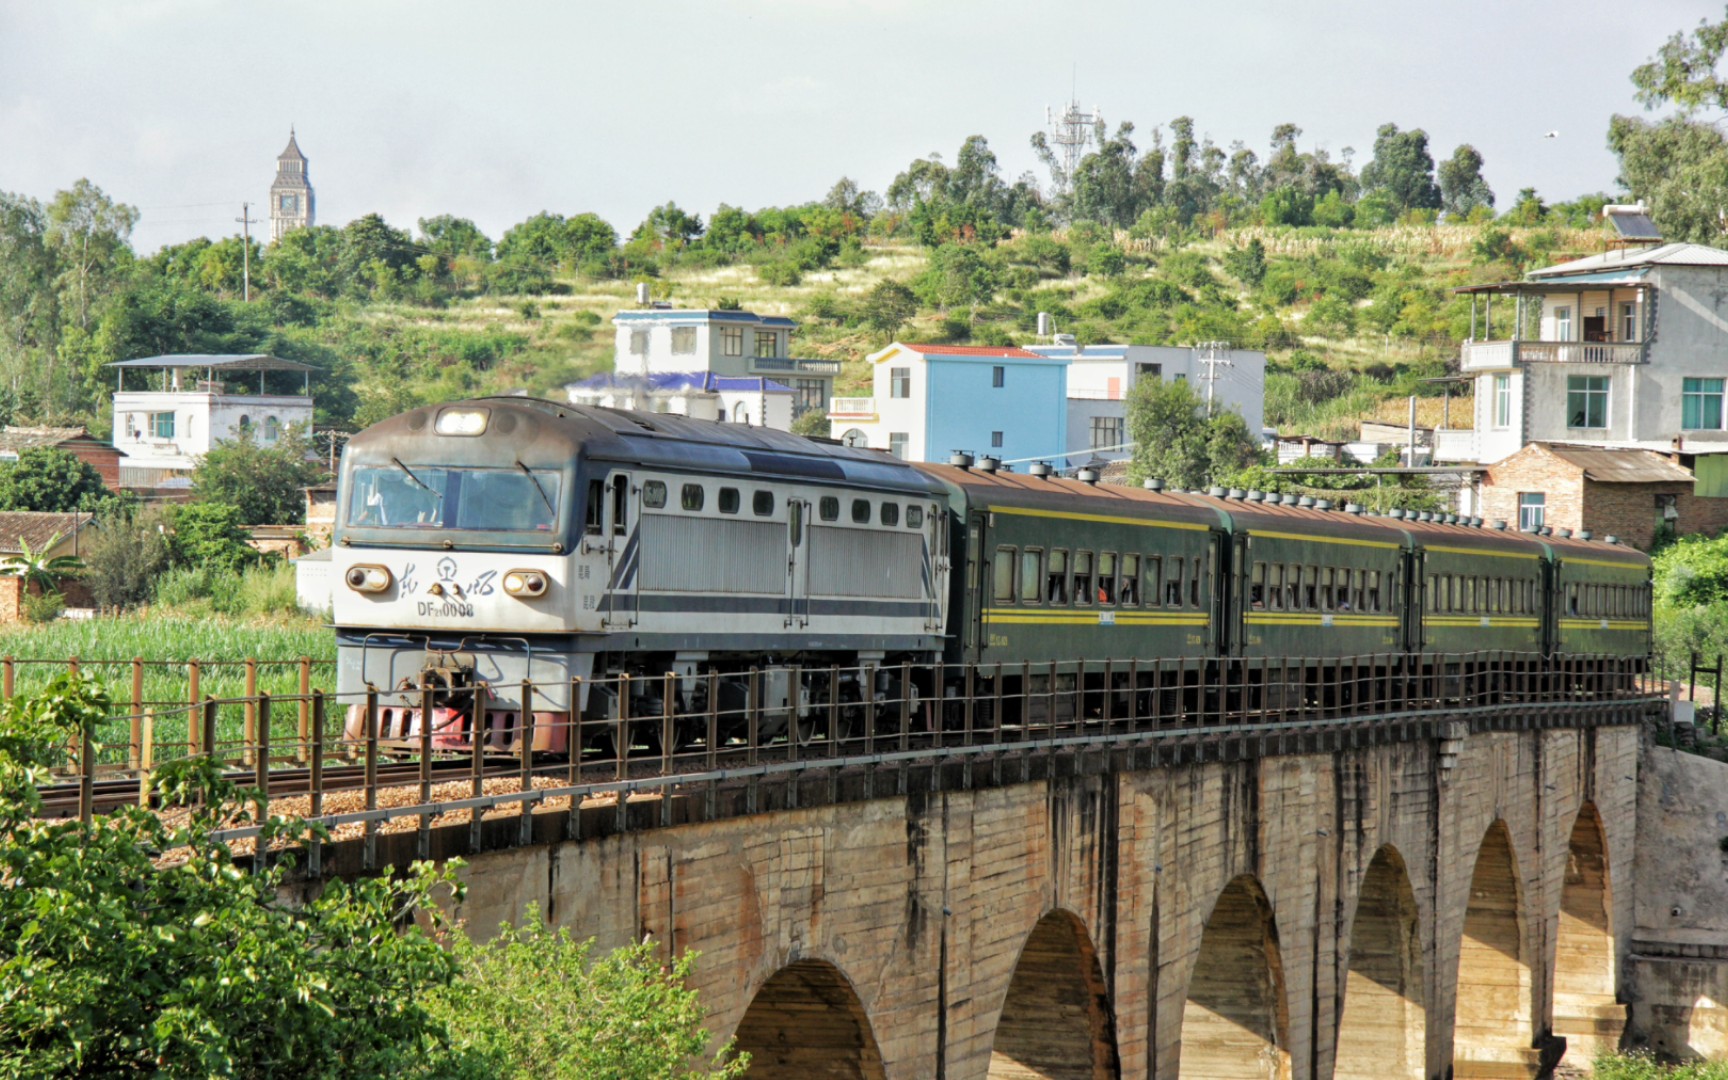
1100	377
166	416
700	395
736	344
1624	349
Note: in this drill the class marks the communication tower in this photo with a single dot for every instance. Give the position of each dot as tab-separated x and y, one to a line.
1072	131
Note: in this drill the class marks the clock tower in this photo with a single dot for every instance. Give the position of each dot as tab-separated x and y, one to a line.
291	194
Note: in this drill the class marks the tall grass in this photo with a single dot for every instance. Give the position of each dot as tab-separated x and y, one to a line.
1611	1066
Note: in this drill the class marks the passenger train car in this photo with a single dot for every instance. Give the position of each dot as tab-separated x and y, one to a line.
490	543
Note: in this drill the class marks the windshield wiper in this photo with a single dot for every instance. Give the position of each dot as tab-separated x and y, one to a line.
532	479
419	483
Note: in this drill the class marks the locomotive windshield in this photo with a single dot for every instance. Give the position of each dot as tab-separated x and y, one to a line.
398	496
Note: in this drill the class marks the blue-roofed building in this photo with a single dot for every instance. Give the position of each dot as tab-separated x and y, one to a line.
738	344
931	400
702	395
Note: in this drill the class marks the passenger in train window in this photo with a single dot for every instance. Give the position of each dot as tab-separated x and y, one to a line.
1173	583
1082	577
1107	577
1056	579
1130	593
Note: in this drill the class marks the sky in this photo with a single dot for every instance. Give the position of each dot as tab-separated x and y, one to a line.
498	110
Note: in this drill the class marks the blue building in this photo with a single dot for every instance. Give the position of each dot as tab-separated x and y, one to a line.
931	400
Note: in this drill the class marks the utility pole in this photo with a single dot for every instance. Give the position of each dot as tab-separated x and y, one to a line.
245	219
1214	354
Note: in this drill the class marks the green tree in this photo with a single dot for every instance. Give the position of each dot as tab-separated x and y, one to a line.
89	233
1462	188
209	536
1402	170
888	306
50	479
1177	442
262	482
958	275
1677	167
40	570
124	555
625	1014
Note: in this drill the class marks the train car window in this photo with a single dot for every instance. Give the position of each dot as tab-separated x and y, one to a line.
1002	576
1572	600
1056	578
762	503
861	511
914	517
729	500
1275	586
1107	577
890	513
1153	596
596	507
1257	586
692	497
1194	581
1342	597
620	504
829	508
1129	594
1371	601
654	495
1083	577
1031	575
1173	583
1311	588
1293	587
1326	574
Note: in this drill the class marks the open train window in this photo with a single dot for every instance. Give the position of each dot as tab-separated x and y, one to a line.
595	511
1083	577
829	508
1002	576
1154	594
654	494
1327	598
1257	586
1107	577
729	500
1310	588
1173	583
1056	578
1194	582
890	513
692	497
1275	586
762	503
1129	595
914	517
1371	601
861	511
1031	575
1358	595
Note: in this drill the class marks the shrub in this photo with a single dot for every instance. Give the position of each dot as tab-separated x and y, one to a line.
123	558
43	606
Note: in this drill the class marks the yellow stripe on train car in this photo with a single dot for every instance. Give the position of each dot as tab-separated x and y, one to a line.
1603	624
1479	621
1069	515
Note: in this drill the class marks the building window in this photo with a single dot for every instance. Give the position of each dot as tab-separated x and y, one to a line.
812	394
900	382
1502	401
1532	507
998	376
1701	404
995	440
732	341
245	425
683	340
1587	401
1628	321
162	425
638	343
1106	432
1563	324
272	429
897	444
767	343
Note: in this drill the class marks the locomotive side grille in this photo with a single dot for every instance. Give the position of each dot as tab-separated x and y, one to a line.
865	562
691	554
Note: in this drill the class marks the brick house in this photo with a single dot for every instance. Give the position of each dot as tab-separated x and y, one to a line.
77	441
1631	494
69	533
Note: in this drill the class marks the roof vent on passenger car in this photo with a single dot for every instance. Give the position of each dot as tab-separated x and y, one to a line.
989	464
1042	469
1254	495
1323	504
1290	498
1499	524
1564	534
960	459
1610	539
1306	502
1352	508
1087	476
1152	483
1544	530
1215	491
1395	512
1476	522
1585	534
1235	493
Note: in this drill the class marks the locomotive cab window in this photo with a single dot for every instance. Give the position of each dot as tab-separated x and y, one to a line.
691	497
1083	577
1056	578
1031	575
654	494
729	500
596	508
401	496
620	504
861	511
1002	576
829	508
890	513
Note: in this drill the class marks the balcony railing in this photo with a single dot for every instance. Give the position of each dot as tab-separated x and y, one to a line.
787	365
852	406
1484	355
1455	444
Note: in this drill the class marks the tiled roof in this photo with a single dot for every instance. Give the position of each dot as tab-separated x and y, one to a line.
14	440
972	350
1611	466
37	528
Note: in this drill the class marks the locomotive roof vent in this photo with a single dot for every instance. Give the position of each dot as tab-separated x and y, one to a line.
1152	483
1610	539
1585	534
988	464
1235	493
960	459
1323	504
1216	492
1306	502
1041	469
1087	476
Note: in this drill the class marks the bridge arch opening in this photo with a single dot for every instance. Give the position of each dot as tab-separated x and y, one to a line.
1585	1010
1382	1031
1235	1023
807	1021
1491	1031
1056	1022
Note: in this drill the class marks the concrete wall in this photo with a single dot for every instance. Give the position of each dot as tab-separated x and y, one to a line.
200	421
926	902
708	354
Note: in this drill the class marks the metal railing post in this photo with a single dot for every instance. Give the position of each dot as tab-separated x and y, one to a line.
135	750
315	850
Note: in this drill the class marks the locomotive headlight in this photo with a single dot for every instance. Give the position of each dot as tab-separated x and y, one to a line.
461	422
367	578
526	584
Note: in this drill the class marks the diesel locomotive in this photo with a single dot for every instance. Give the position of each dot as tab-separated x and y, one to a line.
494	547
